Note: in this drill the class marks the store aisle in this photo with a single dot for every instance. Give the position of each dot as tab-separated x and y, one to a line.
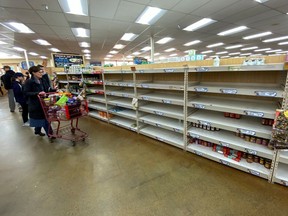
120	173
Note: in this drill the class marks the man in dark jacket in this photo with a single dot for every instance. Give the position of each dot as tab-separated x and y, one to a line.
7	81
19	96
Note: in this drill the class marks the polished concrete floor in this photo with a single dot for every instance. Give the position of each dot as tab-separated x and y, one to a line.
119	173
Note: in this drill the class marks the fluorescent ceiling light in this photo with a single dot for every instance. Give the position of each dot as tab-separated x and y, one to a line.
33	53
219	53
215	45
245	54
257	35
250	48
19	49
81	32
260	50
42	42
150	15
208	51
119	46
199	24
4	55
236	53
86	51
282	43
129	56
170	50
156	54
175	54
88	58
282	52
17	27
234	46
233	31
276	39
43	57
54	50
2	42
261	1
192	43
164	40
147	48
136	53
109	56
129	37
87	55
84	44
77	7
113	52
271	51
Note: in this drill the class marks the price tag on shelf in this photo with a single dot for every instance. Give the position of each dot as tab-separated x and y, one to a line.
132	129
123	71
229	91
145	98
224	162
159	113
201	89
202	69
198	153
253	172
250	151
141	71
160	139
199	106
204	123
266	93
144	86
194	135
285	183
224	144
176	130
169	70
233	68
247	132
254	114
166	101
130	85
122	84
125	95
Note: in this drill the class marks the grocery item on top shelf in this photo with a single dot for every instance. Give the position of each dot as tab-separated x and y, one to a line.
232	115
254	61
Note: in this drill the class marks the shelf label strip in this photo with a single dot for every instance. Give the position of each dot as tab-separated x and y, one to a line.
169	70
250	151
254	114
229	91
166	101
194	135
224	162
266	93
199	106
198	153
224	144
144	86
253	172
201	89
202	69
247	132
159	113
145	98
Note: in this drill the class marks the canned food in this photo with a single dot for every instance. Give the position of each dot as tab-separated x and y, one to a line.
259	141
232	115
253	139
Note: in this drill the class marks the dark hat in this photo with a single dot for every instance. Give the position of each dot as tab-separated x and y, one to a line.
18	74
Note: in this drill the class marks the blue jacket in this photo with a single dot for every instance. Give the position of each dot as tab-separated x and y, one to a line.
18	92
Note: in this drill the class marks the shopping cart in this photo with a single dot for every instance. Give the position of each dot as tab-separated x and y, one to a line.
69	115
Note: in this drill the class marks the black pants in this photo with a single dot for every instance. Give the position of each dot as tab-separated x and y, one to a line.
24	112
47	127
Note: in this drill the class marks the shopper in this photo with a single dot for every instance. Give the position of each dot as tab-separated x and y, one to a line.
46	80
27	75
32	88
19	96
7	79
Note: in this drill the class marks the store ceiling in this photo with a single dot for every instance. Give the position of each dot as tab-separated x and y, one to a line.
110	19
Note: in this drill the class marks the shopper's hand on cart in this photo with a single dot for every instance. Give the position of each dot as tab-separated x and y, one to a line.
42	93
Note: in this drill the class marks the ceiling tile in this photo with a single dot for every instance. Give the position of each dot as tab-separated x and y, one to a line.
125	13
62	30
99	8
53	5
164	4
187	6
26	16
53	18
14	4
41	29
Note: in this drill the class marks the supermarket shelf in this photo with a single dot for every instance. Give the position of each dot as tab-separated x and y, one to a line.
228	139
93	82
118	72
163	135
243	107
124	93
96	98
75	74
97	116
281	176
63	81
120	83
95	90
246	125
239	89
252	168
162	70
163	122
164	85
172	111
97	106
61	73
74	81
125	123
163	98
122	102
127	113
284	157
92	72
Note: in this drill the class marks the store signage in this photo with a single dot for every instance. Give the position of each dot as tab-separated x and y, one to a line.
63	60
250	151
253	172
201	89
228	91
254	114
266	93
24	65
225	162
247	132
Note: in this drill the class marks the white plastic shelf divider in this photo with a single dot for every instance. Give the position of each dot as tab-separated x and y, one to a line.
163	122
239	89
281	176
96	98
97	106
97	116
120	83
127	113
163	135
228	139
163	98
121	102
252	168
165	85
243	107
172	111
246	125
284	157
124	93
269	67
161	70
125	123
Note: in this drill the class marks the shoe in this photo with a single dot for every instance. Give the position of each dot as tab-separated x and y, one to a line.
26	124
40	134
